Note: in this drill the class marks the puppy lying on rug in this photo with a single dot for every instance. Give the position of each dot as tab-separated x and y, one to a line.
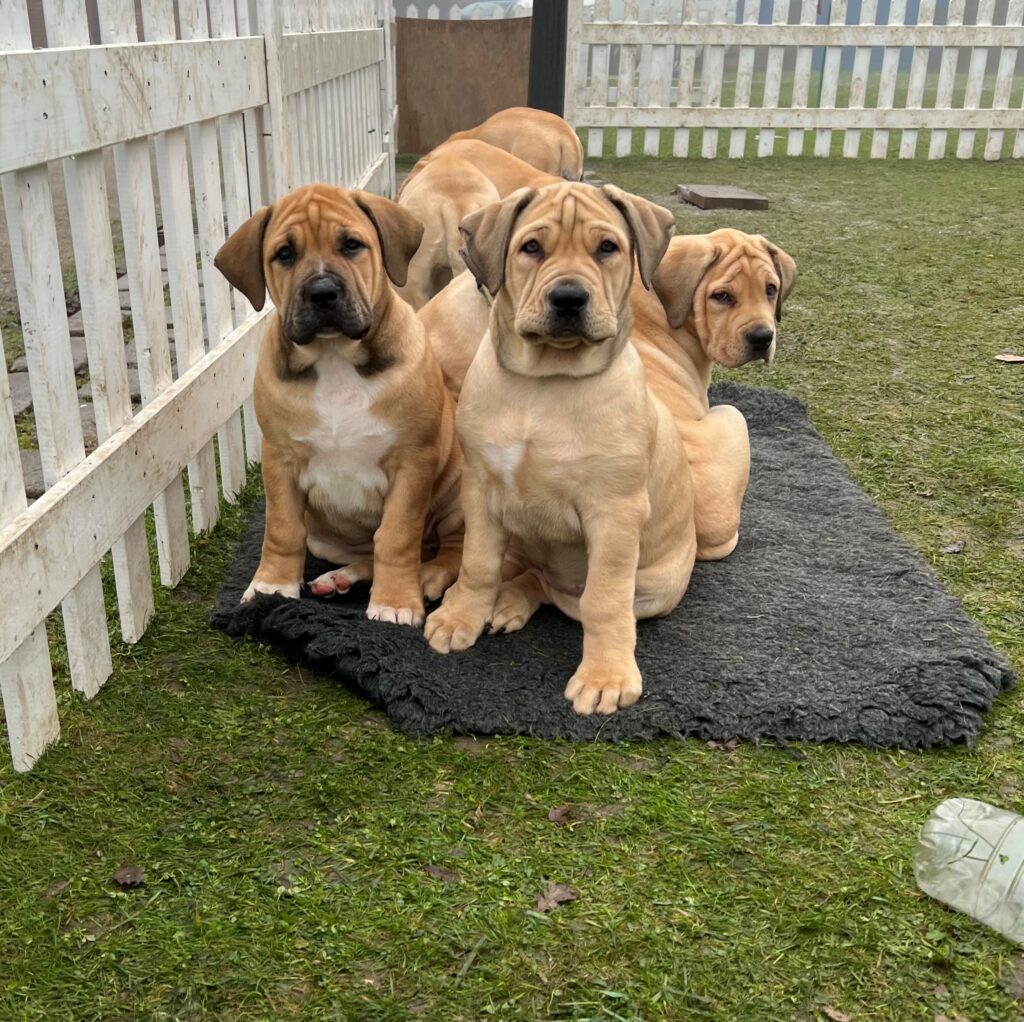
715	300
359	453
573	467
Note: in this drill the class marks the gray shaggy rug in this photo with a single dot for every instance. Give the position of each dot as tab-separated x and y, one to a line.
823	625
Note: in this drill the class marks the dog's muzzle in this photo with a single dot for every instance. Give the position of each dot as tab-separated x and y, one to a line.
324	306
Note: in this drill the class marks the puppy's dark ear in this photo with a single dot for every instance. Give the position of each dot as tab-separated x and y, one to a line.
487	233
240	258
785	267
400	233
679	275
650	226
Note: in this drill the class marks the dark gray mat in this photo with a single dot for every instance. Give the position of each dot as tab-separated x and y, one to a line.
823	625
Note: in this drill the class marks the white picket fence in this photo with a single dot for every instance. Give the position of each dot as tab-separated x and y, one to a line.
683	66
219	110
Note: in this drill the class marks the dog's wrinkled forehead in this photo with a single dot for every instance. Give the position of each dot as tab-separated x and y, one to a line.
743	256
570	206
316	216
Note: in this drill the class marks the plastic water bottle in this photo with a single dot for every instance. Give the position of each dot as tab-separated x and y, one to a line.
971	856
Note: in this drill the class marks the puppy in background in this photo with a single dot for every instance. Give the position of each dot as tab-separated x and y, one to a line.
717	299
360	463
454	180
542	139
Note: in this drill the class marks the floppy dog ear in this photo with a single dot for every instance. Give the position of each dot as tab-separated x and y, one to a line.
240	258
487	232
399	232
785	267
650	225
679	275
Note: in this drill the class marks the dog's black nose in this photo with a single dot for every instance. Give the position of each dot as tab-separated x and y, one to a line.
568	299
323	292
760	337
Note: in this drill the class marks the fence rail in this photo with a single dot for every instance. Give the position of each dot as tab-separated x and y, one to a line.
662	76
124	165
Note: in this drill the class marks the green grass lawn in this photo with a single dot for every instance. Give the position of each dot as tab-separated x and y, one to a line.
285	830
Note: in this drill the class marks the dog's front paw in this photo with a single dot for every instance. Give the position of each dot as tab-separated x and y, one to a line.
450	630
604	689
395	615
289	589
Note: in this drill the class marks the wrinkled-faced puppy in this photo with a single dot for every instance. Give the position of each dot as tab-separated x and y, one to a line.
448	184
717	299
574	469
359	453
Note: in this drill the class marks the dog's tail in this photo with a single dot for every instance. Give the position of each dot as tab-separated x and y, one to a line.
571	158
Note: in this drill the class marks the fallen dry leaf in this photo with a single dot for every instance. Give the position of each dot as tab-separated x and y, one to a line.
946	1018
57	888
836	1015
556	894
129	876
449	876
1006	356
1011	978
954	548
560	815
729	746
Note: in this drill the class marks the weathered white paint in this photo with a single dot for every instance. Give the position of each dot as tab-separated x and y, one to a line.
114	485
840	118
139	230
37	273
711	82
975	82
86	185
744	78
1004	82
918	77
245	153
693	104
802	78
60	102
803	35
947	78
830	80
309	60
599	57
773	79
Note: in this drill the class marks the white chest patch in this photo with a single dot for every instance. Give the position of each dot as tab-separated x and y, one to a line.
348	441
504	461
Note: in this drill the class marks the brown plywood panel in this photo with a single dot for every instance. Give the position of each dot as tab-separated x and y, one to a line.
721	197
454	74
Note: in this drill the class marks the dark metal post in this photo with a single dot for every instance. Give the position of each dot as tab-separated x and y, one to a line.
547	55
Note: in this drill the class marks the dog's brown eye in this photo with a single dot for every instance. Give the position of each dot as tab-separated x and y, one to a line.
722	296
531	247
352	245
771	290
607	247
285	255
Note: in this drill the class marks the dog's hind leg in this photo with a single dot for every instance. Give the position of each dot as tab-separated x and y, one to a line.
718	450
341	580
